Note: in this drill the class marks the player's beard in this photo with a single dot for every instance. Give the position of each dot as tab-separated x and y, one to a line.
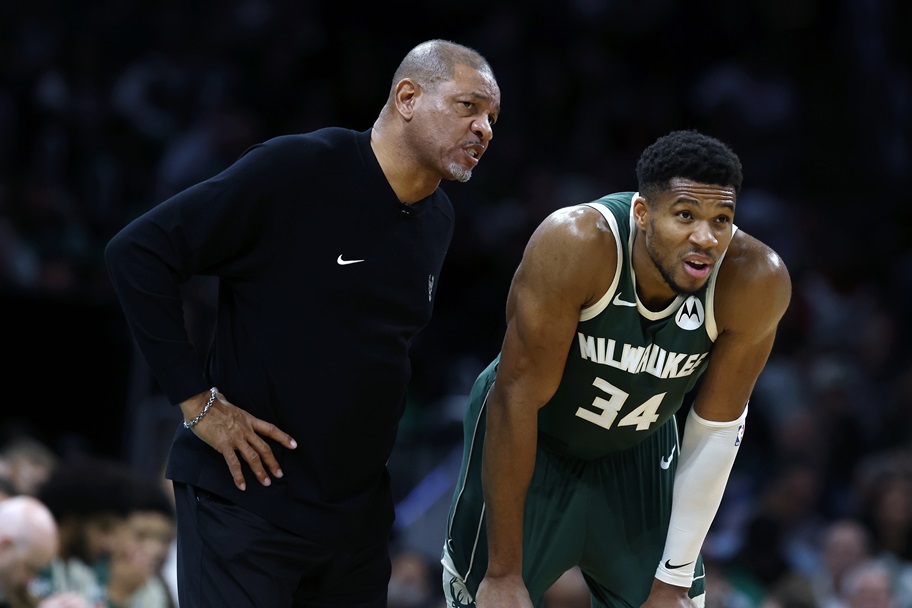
666	274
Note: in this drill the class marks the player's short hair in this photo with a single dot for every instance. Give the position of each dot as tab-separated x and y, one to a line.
687	154
434	61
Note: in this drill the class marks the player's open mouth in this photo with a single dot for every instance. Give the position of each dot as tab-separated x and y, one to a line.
697	269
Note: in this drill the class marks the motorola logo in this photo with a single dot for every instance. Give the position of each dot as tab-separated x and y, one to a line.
690	316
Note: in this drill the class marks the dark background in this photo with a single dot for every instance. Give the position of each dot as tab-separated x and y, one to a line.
108	107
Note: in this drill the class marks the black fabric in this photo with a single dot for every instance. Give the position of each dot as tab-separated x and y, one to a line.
305	337
231	557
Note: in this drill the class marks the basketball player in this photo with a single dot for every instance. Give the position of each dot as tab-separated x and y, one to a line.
572	454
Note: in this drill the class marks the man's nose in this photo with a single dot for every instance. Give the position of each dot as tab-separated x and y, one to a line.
484	129
703	236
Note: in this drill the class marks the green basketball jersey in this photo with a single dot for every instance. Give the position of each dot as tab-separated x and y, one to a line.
629	368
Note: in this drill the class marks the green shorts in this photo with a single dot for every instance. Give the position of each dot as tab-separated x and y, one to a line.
607	516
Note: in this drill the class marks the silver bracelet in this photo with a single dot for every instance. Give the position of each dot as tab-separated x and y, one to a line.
212	394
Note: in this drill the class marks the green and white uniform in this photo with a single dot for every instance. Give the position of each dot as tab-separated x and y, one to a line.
600	496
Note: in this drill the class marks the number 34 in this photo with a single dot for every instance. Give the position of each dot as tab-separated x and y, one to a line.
641	417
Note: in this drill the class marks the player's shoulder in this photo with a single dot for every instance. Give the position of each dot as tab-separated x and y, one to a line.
582	223
575	235
749	258
753	282
576	251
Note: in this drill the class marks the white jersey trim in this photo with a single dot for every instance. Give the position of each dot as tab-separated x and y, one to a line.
712	330
641	308
590	312
462	483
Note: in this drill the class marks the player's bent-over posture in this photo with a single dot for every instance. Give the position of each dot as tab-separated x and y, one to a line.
571	452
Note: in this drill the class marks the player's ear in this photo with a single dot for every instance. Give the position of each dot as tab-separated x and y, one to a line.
640	211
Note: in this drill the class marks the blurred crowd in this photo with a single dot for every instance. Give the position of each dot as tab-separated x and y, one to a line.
111	543
108	107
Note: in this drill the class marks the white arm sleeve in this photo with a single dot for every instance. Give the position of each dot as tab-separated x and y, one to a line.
708	452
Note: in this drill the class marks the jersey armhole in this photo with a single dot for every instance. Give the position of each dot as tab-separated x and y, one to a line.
712	330
590	312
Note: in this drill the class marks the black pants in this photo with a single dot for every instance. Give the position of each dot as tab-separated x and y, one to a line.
228	557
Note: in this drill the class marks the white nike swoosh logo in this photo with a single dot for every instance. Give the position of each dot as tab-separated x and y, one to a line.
342	262
665	463
619	302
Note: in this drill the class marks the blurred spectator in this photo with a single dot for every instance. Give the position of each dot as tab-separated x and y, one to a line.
846	545
414	581
869	585
28	543
133	573
27	463
90	498
721	592
781	537
884	492
790	591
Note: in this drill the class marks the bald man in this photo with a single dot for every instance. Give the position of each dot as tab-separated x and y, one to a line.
328	248
28	543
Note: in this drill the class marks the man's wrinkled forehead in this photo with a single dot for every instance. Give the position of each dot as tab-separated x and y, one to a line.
479	84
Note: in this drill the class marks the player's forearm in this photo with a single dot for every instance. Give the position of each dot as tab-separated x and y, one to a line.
708	453
509	460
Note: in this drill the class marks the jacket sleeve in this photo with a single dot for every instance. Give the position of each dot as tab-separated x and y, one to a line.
217	228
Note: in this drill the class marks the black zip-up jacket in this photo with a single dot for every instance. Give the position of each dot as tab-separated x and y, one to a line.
324	279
